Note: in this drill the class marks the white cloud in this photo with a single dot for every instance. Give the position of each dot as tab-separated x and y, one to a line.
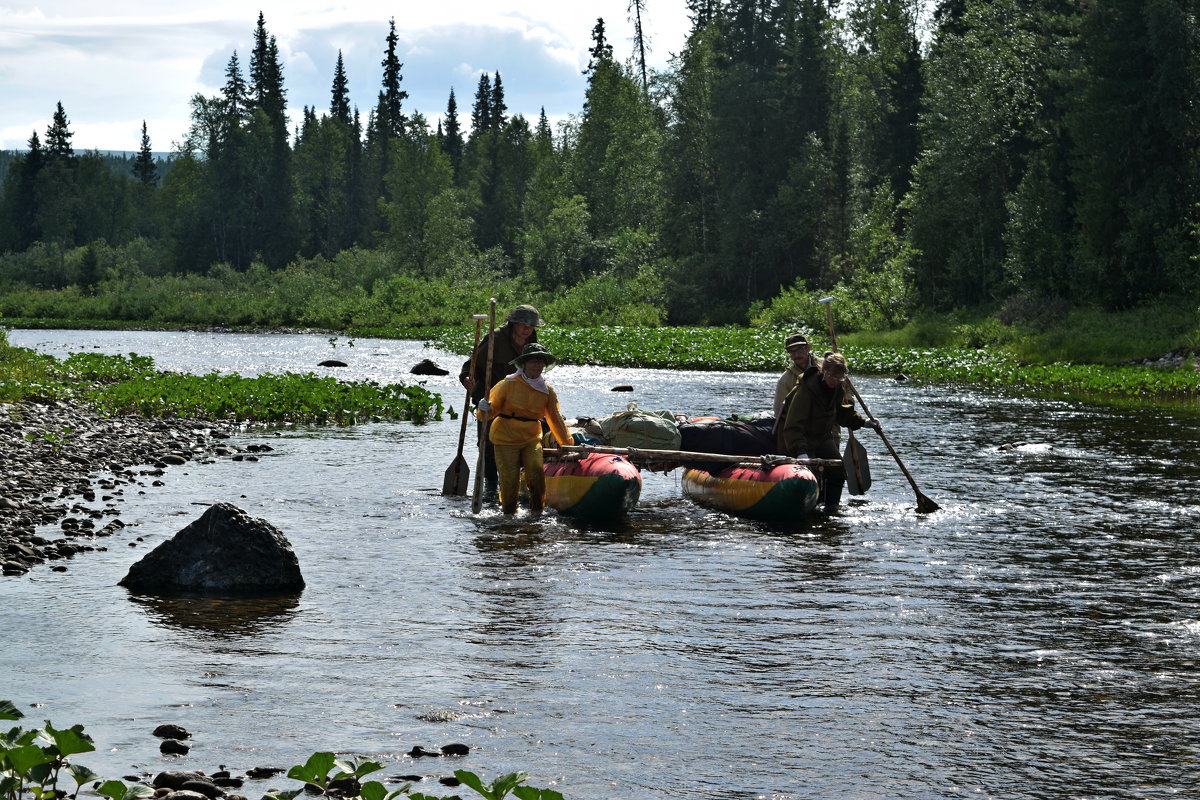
113	65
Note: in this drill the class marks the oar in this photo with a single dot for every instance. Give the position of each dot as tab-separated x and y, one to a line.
459	473
638	453
924	504
477	499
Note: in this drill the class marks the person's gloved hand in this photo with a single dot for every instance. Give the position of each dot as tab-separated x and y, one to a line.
485	405
874	425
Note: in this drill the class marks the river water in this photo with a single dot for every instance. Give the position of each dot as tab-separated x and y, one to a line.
1035	638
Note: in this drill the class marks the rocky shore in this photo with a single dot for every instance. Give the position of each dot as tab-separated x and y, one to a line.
67	466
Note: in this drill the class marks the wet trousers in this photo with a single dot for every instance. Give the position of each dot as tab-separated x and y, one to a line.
834	478
510	458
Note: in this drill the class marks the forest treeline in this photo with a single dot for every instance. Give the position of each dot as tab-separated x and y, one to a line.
1020	155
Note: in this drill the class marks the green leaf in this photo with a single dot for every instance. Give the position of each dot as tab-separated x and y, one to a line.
315	770
70	741
286	795
506	783
470	779
23	759
530	793
9	711
365	766
137	791
82	774
113	789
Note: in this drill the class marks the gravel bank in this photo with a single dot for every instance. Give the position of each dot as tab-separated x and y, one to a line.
67	466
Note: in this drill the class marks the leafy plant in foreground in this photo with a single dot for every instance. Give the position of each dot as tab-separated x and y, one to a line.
337	777
32	761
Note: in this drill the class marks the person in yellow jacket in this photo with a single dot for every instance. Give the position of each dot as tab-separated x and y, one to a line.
516	406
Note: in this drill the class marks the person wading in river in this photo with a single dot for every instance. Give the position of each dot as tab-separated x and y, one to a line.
518	330
516	407
811	414
798	350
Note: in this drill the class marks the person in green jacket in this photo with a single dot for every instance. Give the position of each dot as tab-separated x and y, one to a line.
808	423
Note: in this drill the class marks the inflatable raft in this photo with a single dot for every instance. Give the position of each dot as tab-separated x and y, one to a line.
784	493
597	486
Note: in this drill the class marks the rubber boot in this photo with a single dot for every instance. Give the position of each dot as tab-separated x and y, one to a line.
833	492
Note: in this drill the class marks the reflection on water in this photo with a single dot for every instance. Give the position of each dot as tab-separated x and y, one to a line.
1035	638
223	617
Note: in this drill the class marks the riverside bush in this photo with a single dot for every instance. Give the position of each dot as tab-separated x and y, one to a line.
130	385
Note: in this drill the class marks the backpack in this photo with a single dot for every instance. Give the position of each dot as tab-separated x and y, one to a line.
636	428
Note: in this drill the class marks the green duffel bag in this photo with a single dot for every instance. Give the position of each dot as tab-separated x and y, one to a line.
648	430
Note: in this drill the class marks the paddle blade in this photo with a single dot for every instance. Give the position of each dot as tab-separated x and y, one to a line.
858	471
457	477
925	505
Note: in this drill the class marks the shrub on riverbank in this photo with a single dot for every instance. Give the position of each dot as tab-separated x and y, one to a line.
130	385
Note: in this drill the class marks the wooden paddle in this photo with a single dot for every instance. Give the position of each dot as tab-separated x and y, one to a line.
924	504
477	499
459	473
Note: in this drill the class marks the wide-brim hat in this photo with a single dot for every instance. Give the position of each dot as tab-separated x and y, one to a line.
534	350
525	315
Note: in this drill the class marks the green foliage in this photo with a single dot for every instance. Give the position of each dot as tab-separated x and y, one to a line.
32	760
130	385
267	398
326	775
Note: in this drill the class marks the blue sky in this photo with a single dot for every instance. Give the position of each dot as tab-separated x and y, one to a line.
114	64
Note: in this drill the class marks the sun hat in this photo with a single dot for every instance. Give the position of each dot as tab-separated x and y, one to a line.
795	340
525	315
534	350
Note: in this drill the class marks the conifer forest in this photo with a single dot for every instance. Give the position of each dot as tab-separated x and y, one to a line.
963	153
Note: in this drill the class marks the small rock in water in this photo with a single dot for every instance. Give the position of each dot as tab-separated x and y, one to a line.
624	387
174	747
428	367
332	362
171	731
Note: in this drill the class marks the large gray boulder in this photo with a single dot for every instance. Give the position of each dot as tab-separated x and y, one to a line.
225	551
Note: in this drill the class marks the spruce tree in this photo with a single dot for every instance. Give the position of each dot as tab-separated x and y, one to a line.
144	168
266	76
601	51
22	204
498	107
234	93
390	115
451	136
339	105
481	111
58	135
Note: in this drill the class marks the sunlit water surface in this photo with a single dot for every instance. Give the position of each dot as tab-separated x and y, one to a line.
1035	638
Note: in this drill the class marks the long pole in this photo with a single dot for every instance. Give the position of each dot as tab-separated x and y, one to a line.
924	504
638	453
477	498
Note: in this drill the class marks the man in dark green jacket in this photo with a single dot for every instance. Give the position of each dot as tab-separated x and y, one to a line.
808	423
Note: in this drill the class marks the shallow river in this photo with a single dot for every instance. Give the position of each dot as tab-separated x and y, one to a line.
1035	638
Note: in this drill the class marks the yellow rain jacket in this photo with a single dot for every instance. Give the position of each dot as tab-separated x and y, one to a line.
517	411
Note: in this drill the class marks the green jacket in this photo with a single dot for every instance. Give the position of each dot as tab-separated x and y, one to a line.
812	413
506	350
